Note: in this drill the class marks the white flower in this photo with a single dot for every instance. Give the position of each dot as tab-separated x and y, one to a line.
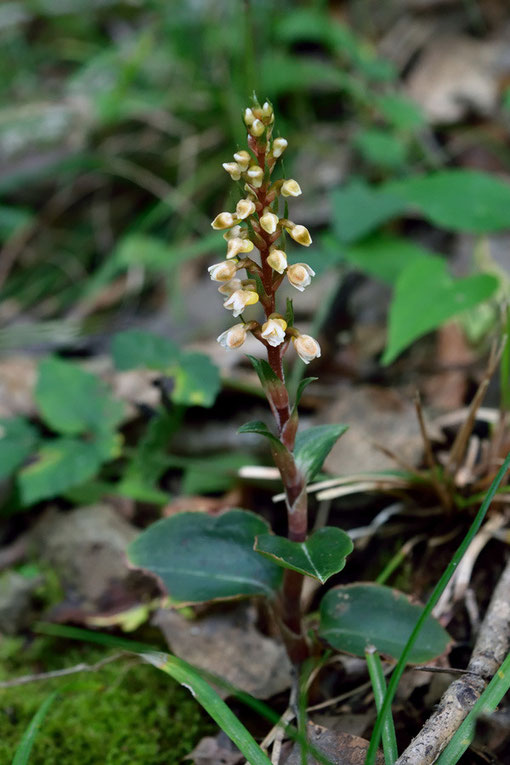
237	245
243	159
290	188
233	337
257	128
238	301
233	169
307	348
277	259
244	208
255	176
301	235
279	146
300	275
228	288
273	330
222	272
269	222
224	220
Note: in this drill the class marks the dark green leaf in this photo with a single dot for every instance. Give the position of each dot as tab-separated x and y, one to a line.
426	296
359	615
313	446
197	381
381	147
289	313
24	749
200	558
359	208
322	555
217	473
135	348
72	401
60	464
17	442
265	372
461	200
304	383
399	111
259	427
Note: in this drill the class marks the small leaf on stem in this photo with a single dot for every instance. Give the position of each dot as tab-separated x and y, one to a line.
313	446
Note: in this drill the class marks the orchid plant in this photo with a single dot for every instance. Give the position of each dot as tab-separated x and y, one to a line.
199	557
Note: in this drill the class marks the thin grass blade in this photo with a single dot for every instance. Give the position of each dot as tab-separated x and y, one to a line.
378	681
22	755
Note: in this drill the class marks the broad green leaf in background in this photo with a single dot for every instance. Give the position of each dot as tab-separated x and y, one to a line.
400	111
426	296
381	147
157	255
72	401
320	556
461	200
384	256
12	220
313	446
216	473
135	349
199	557
60	464
22	756
359	208
197	381
18	440
359	615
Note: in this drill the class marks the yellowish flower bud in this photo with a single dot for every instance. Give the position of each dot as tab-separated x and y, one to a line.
267	111
233	169
244	208
269	222
222	272
228	288
243	159
255	176
279	146
233	338
238	301
273	331
257	128
307	348
249	117
224	220
300	275
237	245
301	235
237	232
291	188
277	259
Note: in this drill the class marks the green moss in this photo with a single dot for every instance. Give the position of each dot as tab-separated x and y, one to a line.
123	714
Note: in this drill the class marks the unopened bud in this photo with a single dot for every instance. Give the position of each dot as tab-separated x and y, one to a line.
255	176
243	159
307	348
249	117
244	208
269	222
233	169
224	220
301	235
233	338
291	188
267	111
237	245
237	232
238	301
279	146
277	259
257	128
274	331
300	275
228	288
222	272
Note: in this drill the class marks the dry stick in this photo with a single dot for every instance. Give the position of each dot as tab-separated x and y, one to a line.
25	679
439	487
490	649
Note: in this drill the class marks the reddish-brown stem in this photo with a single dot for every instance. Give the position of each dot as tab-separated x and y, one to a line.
278	397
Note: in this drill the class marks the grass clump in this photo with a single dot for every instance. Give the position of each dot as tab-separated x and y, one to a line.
123	714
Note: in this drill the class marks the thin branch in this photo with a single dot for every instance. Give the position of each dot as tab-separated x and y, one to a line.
26	679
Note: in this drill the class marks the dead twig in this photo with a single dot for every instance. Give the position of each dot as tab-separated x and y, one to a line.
490	649
26	679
